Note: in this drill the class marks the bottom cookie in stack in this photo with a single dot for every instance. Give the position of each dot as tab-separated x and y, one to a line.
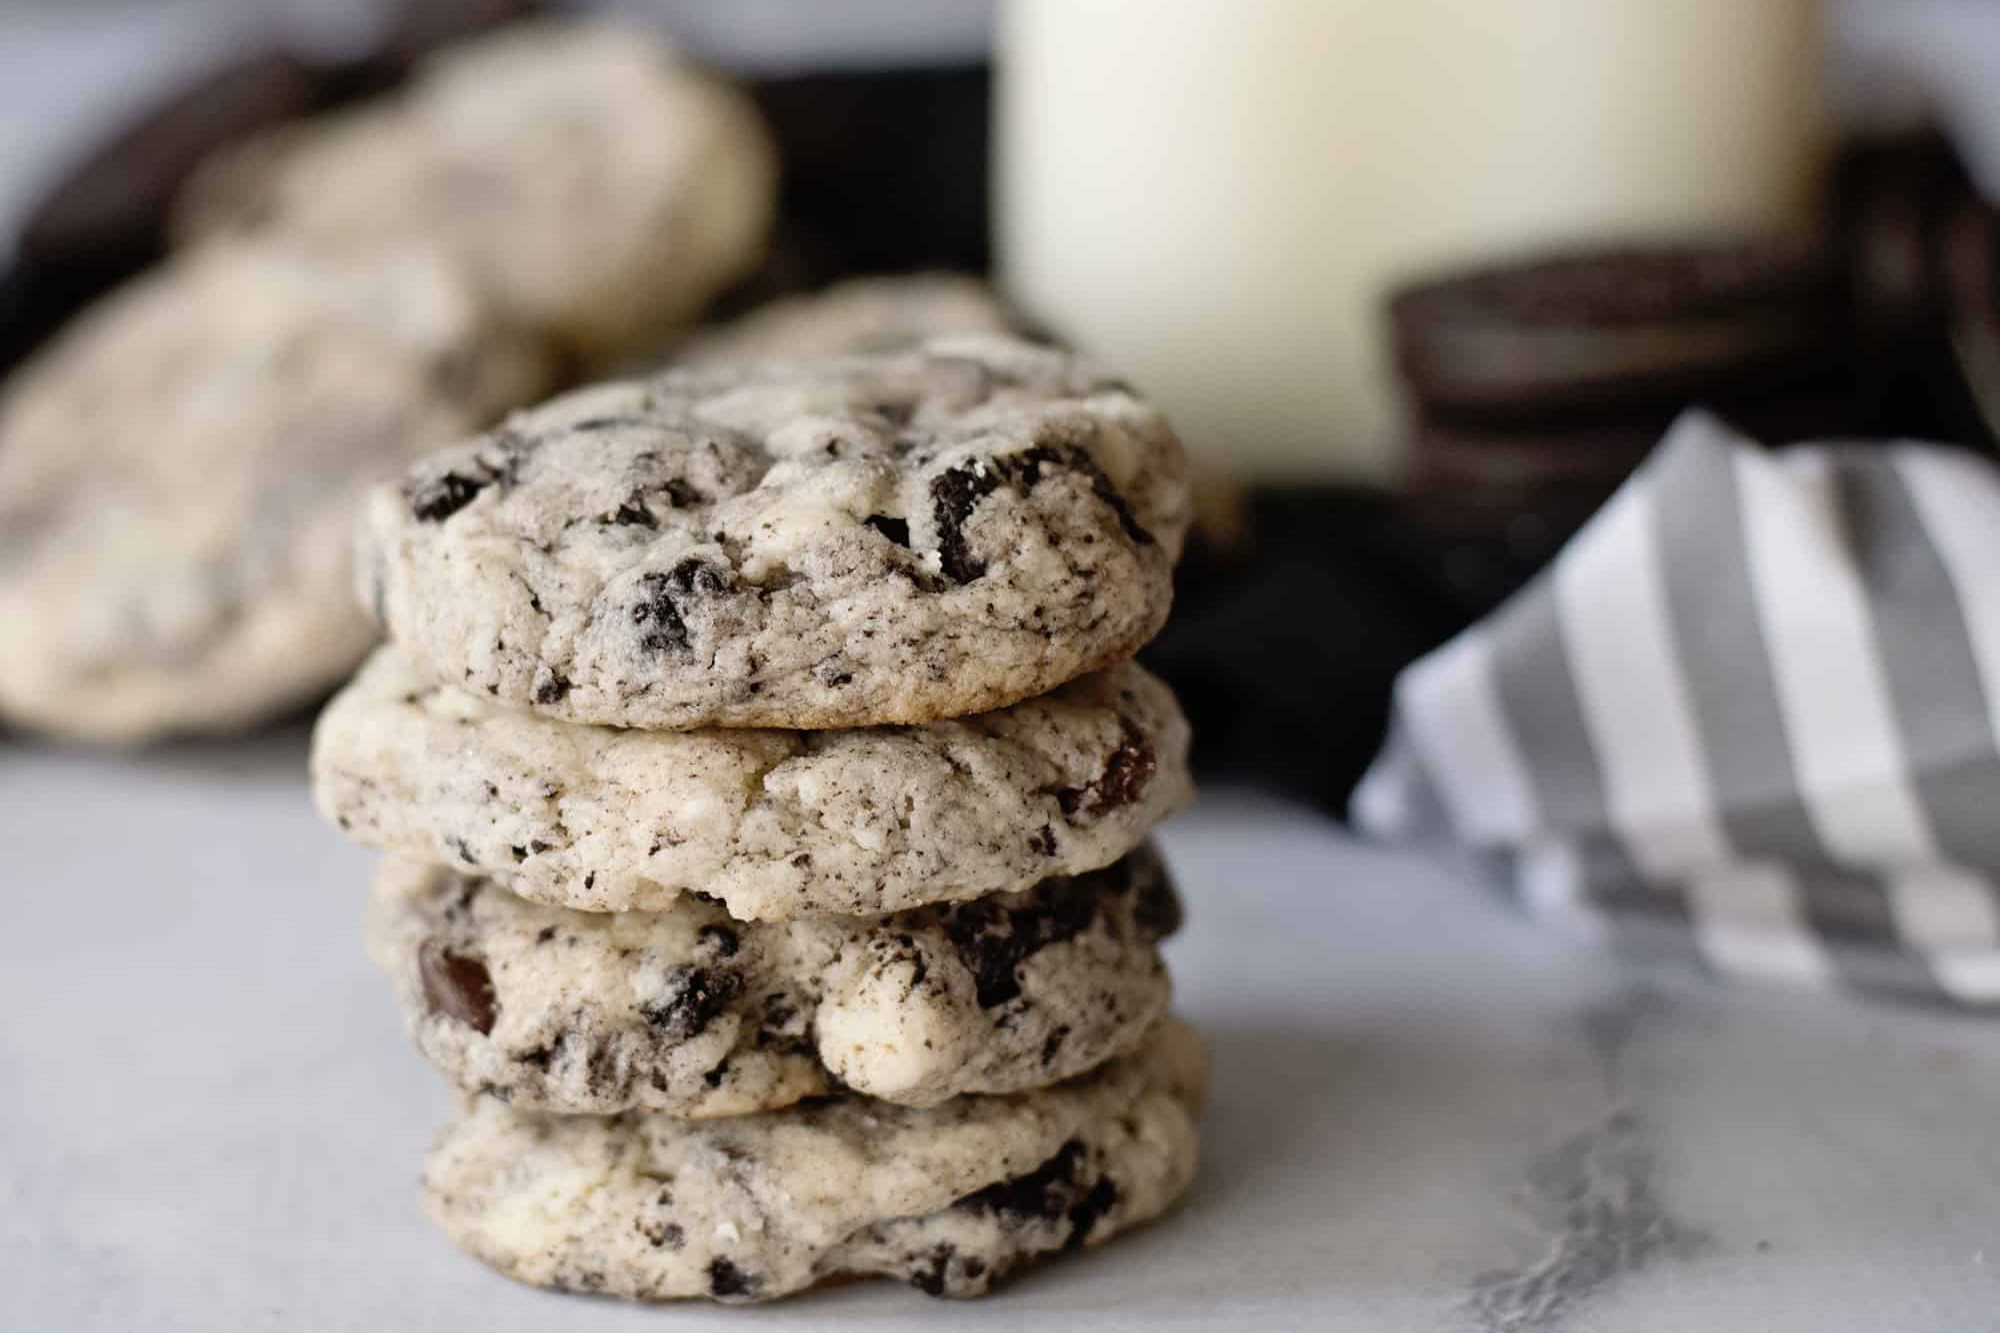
949	1198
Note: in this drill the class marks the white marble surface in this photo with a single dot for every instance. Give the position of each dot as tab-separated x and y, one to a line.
1426	1114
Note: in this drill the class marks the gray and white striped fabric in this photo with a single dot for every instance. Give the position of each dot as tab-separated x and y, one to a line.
1750	713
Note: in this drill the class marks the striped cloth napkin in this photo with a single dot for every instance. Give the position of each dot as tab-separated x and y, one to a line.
1751	714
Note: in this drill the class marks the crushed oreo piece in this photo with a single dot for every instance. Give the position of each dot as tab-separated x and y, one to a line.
662	597
1055	1189
632	513
895	529
1123	782
437	498
457	986
1052	1046
1070	458
695	996
551	687
930	1279
663	1235
955	493
994	940
726	1280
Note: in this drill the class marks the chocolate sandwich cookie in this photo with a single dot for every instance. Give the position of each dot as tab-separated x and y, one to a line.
1537	387
1615	330
1918	245
1512	467
1564	468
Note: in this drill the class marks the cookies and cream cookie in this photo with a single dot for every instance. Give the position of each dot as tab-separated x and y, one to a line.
829	543
872	314
690	1012
180	471
595	185
773	823
948	1198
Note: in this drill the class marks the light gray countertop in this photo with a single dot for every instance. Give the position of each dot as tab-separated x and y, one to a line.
1425	1113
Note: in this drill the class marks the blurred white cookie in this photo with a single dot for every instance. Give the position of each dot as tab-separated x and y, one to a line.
180	468
597	186
873	314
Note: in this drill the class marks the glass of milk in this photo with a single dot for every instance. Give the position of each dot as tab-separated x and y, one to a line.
1214	195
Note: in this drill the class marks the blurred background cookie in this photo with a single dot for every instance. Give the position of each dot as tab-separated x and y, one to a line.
595	185
105	216
871	314
179	472
179	469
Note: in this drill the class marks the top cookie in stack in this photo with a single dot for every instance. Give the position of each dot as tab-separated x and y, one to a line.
837	543
760	732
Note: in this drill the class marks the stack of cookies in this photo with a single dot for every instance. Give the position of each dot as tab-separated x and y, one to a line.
765	785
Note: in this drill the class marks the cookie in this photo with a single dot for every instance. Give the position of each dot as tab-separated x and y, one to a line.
180	471
1569	466
859	315
834	543
692	1013
597	186
775	824
948	1198
1583	332
409	32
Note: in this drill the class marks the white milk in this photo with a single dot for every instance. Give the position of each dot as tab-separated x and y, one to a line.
1214	194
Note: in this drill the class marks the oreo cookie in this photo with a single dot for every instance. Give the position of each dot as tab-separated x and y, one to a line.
1606	331
1917	244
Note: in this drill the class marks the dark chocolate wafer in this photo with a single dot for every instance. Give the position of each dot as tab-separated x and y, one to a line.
1575	334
